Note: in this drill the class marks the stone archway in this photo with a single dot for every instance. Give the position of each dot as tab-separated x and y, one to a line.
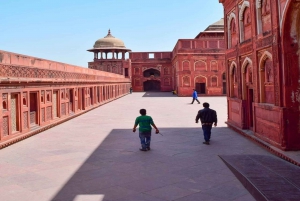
152	85
151	73
290	43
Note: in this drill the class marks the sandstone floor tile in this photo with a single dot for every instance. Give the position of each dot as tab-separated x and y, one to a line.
170	192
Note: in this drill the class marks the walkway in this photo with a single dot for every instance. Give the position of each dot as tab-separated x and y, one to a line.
96	157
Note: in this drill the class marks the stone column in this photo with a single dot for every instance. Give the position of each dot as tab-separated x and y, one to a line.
123	55
113	54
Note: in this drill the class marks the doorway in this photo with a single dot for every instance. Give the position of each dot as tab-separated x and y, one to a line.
55	104
152	85
33	109
250	108
15	112
201	88
71	100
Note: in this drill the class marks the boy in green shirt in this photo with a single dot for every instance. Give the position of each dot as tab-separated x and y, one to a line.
145	122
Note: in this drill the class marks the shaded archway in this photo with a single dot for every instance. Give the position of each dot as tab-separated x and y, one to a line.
152	85
151	72
290	44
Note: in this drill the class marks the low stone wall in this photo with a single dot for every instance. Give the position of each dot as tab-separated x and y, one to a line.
36	94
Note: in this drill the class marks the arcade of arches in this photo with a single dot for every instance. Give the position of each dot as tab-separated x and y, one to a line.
262	41
251	55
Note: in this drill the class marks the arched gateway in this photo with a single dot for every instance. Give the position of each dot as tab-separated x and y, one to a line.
152	85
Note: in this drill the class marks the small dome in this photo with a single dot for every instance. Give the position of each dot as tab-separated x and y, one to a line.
109	42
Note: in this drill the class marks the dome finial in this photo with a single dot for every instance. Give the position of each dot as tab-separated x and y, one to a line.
109	34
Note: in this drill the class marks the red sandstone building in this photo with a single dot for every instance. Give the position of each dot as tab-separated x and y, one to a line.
193	64
36	94
262	63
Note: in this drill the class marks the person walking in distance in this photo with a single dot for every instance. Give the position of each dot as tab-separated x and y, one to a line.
207	117
145	122
195	97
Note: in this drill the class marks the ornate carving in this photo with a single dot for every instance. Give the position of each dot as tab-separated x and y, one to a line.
186	81
32	117
54	101
63	109
13	112
43	114
25	120
28	72
5	126
4	101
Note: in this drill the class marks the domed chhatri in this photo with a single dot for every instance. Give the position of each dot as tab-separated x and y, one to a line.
109	44
109	55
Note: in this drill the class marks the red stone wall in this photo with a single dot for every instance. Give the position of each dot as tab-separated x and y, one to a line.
199	62
158	62
36	94
264	69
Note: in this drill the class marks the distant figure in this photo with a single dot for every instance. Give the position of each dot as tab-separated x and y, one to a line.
145	122
130	90
208	117
195	97
174	92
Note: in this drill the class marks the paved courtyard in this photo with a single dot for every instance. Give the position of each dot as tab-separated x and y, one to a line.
96	157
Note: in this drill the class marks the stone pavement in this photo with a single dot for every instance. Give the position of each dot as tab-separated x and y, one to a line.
96	157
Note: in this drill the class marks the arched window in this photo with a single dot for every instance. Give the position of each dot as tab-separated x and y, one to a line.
246	76
186	81
214	81
231	31
245	22
214	66
266	78
200	66
185	65
233	81
4	105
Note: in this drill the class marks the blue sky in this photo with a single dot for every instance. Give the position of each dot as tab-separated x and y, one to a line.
62	30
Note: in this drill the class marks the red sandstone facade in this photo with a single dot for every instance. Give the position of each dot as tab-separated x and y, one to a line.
193	64
262	64
199	63
151	71
36	94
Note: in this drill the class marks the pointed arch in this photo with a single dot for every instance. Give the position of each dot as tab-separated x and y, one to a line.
246	64
214	81
230	18
233	80
214	65
247	61
262	75
243	8
265	55
186	81
232	66
186	65
200	65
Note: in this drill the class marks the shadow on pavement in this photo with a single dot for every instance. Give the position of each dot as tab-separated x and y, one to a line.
158	94
118	169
